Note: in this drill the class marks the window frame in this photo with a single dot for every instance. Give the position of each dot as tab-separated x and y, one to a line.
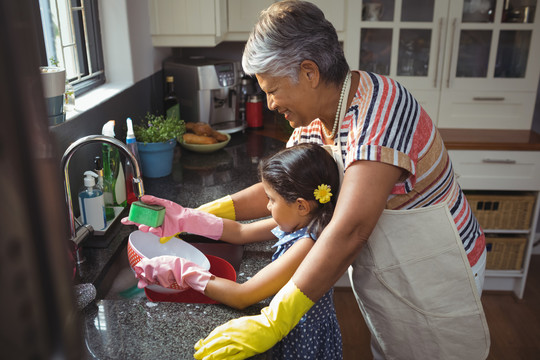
90	44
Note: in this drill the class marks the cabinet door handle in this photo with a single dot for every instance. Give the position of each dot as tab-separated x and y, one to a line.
454	22
436	79
488	98
498	161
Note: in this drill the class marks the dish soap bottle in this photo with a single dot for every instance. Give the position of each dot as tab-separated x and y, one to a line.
131	143
171	105
91	203
113	174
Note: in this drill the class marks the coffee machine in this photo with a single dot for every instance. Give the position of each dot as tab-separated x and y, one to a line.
207	91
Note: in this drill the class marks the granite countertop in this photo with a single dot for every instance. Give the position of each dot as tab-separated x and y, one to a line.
138	328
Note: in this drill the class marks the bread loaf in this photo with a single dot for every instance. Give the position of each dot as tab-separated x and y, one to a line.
198	139
205	130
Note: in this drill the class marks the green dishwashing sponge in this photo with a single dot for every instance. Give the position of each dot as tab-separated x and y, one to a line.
151	215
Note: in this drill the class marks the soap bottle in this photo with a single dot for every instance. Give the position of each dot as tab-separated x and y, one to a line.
131	143
91	202
113	172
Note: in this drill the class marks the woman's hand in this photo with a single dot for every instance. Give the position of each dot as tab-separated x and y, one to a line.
249	335
179	219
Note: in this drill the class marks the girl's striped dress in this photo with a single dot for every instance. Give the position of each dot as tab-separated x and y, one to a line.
385	123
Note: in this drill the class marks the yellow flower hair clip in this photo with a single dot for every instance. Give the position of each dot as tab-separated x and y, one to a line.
322	193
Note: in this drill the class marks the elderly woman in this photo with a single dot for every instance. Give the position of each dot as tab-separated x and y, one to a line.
402	226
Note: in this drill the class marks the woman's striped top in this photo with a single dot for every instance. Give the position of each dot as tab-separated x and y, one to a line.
385	123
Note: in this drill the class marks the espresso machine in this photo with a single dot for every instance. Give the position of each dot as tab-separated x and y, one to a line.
208	91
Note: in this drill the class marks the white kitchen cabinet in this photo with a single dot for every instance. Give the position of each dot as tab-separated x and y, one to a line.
243	14
179	23
503	171
470	63
175	23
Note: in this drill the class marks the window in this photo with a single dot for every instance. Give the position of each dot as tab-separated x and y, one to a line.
72	38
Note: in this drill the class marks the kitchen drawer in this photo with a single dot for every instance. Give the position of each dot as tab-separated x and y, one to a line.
486	110
497	170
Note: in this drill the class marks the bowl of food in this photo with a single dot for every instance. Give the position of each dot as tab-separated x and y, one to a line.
147	245
200	137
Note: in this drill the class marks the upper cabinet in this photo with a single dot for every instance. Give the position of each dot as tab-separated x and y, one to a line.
471	63
187	22
178	23
243	14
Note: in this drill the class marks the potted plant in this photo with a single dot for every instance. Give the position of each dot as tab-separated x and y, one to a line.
156	140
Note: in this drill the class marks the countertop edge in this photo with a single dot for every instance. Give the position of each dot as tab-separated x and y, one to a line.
454	138
490	139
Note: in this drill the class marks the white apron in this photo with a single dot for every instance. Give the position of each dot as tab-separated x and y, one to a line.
414	285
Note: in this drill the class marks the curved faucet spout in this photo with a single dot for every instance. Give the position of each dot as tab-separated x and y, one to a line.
137	180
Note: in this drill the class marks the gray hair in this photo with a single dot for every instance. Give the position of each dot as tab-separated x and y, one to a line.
289	32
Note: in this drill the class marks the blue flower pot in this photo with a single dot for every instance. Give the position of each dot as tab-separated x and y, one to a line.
156	158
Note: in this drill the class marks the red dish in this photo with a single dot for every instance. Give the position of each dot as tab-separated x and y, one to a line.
218	267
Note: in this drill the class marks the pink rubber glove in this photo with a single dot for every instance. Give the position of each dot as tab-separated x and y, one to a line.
180	219
167	270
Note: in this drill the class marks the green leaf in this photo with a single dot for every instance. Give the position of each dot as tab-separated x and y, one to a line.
158	128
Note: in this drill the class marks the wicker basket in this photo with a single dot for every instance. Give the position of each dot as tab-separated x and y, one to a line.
505	253
502	211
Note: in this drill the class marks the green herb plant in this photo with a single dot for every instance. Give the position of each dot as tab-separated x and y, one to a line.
53	61
158	128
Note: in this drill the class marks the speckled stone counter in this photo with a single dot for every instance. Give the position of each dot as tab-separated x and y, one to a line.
137	328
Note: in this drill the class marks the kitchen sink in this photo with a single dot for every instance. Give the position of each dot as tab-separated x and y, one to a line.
120	283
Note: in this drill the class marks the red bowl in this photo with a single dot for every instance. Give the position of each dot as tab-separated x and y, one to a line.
218	267
145	245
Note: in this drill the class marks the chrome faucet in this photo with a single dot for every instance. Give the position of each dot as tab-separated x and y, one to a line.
78	234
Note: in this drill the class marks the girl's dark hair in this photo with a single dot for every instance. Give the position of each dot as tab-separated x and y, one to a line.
296	172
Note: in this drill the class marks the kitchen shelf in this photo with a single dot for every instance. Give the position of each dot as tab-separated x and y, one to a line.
518	176
504	273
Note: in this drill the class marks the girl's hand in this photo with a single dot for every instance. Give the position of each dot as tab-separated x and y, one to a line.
179	219
171	270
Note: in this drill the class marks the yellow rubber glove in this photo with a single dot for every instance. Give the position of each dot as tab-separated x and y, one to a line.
223	208
250	335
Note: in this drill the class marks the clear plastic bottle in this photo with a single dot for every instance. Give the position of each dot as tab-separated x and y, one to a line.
91	202
69	97
131	143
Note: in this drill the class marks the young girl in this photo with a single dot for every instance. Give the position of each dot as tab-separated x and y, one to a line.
301	183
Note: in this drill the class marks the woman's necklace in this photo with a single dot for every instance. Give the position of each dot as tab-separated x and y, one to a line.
336	120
